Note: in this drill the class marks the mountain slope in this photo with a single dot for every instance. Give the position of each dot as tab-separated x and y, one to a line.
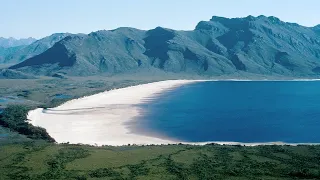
33	49
4	52
266	45
260	45
317	29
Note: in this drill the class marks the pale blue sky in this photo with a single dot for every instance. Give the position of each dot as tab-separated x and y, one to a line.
39	18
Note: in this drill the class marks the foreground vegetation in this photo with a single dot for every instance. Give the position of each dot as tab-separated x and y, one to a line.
39	160
27	153
14	117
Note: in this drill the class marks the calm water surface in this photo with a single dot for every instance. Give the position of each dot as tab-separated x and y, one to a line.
253	111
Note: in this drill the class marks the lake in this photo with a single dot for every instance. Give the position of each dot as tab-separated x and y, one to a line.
235	111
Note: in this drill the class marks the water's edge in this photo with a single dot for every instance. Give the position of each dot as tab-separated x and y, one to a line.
190	143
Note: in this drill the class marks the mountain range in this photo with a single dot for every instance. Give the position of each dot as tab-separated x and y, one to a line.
258	45
12	42
9	46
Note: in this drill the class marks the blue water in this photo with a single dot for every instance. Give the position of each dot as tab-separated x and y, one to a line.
236	111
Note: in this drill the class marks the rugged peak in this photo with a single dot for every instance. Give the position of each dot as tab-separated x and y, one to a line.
248	18
161	29
317	29
210	26
97	33
218	18
223	19
262	17
274	19
56	35
50	40
122	29
245	21
204	25
73	37
251	18
233	23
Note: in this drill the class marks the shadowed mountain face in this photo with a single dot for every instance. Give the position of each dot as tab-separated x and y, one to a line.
57	54
10	46
22	53
260	45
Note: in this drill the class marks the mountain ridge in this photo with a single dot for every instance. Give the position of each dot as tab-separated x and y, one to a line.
12	42
258	45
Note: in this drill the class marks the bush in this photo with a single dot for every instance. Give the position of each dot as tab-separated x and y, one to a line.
81	178
138	170
103	172
14	117
305	173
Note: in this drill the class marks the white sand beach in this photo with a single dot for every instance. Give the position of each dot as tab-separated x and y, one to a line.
101	119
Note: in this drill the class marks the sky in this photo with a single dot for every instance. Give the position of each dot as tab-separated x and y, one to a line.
40	18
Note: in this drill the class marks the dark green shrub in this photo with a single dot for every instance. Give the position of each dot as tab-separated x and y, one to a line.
305	173
103	172
14	117
138	169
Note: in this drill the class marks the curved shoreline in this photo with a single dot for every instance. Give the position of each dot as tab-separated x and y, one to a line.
102	119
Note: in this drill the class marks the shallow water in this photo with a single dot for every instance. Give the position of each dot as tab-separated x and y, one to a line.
255	111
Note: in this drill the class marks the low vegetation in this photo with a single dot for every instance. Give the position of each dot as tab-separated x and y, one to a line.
43	91
14	117
34	160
